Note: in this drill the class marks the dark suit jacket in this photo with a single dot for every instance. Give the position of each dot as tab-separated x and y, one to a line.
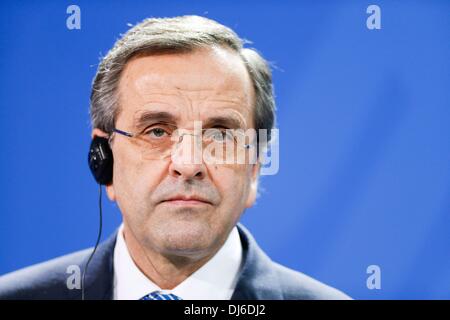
260	277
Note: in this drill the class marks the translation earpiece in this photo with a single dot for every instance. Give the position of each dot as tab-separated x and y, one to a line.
100	160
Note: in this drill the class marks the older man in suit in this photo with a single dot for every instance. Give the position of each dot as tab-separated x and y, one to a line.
180	237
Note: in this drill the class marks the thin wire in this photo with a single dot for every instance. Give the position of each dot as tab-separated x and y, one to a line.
96	244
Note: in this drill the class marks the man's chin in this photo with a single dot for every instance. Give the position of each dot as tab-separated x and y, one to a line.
184	238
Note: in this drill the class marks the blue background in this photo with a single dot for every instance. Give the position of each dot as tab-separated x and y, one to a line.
364	135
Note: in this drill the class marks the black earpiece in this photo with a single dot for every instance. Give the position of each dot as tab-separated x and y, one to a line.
101	160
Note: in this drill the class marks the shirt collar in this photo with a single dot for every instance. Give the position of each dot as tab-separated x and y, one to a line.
215	280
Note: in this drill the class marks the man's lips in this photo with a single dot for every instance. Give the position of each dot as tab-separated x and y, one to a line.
186	200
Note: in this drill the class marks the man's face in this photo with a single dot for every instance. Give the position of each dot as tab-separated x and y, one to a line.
199	86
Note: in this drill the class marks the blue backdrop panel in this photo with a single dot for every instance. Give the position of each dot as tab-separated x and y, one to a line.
364	135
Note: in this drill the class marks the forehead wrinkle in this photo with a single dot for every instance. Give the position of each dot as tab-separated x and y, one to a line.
228	112
142	117
150	81
209	94
209	106
236	119
195	102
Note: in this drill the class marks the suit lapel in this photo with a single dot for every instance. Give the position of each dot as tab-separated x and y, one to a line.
100	273
257	280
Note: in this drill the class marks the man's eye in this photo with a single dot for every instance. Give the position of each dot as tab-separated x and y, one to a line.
156	133
220	135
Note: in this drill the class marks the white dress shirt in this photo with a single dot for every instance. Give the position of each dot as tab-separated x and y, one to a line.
215	280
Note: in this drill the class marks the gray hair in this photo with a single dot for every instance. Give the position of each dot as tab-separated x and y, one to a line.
176	35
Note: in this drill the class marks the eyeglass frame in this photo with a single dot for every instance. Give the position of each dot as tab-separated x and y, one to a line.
136	135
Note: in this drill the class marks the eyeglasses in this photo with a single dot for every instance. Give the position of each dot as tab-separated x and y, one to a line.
220	146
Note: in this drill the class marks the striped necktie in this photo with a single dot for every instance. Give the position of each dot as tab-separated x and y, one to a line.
158	295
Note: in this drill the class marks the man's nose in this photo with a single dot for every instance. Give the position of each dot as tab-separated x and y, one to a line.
186	158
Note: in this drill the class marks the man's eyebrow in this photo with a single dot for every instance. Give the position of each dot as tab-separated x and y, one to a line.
151	116
146	117
224	121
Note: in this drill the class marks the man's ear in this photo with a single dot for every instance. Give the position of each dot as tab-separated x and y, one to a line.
96	132
253	192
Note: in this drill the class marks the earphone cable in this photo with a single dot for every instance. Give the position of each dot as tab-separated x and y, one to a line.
96	244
